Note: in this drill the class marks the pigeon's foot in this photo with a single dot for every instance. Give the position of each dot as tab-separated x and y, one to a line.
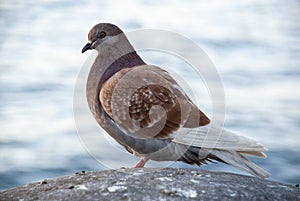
141	163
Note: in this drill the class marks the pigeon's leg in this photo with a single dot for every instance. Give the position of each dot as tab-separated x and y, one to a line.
141	163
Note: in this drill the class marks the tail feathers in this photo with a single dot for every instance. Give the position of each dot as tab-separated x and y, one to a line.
239	161
199	156
254	153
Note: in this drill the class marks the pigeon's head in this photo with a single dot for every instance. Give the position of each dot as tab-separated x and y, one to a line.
101	36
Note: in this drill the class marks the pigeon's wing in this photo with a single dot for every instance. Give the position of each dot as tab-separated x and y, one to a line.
192	116
146	102
214	137
154	106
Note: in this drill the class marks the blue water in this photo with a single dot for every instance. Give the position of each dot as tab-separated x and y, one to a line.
255	46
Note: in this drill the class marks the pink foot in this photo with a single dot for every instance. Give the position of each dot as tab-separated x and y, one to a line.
141	163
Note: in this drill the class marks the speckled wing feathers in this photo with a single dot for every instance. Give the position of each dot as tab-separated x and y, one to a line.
156	105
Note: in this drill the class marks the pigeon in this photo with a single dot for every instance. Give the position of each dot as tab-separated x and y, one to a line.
146	111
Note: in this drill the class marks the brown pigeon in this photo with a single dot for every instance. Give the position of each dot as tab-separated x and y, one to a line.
145	110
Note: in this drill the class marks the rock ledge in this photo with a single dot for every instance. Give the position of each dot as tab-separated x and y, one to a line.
153	184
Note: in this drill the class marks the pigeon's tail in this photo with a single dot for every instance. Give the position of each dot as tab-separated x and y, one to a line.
237	160
216	143
196	155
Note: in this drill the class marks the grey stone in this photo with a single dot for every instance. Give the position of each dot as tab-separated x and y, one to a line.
153	184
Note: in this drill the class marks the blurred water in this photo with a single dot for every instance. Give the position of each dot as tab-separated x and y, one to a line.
255	46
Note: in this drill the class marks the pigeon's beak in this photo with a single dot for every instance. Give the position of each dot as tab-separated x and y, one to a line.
86	47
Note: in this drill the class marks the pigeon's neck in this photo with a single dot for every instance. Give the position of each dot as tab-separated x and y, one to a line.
126	61
114	55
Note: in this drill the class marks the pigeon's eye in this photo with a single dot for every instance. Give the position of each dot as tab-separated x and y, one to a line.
102	34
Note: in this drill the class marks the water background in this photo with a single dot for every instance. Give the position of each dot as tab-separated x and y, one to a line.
255	46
